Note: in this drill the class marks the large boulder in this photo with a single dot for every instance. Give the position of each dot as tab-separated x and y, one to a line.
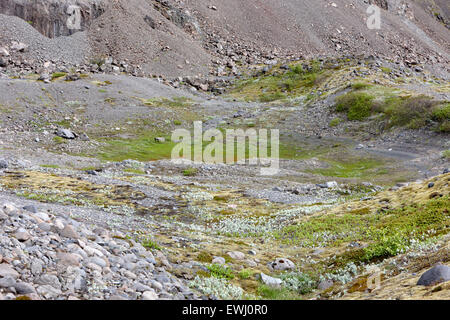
437	274
282	264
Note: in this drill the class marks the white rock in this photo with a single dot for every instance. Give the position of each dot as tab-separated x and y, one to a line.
218	260
10	209
7	271
237	255
332	184
43	216
149	295
270	281
282	264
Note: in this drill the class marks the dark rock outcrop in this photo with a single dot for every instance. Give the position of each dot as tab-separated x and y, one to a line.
54	18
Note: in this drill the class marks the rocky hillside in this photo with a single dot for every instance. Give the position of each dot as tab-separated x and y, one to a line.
92	207
201	37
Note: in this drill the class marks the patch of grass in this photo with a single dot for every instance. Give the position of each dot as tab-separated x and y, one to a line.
360	85
446	154
386	70
57	75
99	61
246	274
357	105
149	243
335	122
175	102
386	233
413	112
59	140
270	293
190	172
441	114
63	124
110	100
204	257
349	169
269	97
134	171
220	271
281	84
50	166
142	148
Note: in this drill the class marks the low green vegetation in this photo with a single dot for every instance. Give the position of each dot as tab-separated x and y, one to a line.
59	140
57	75
220	271
360	85
50	166
141	148
279	84
246	274
385	233
413	112
175	102
299	282
149	243
134	171
270	293
335	122
350	169
190	172
357	105
446	154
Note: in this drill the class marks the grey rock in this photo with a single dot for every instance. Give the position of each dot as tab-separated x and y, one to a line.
325	284
117	297
48	292
65	133
3	216
22	235
44	227
282	264
7	282
68	259
237	255
3	164
437	274
31	208
24	288
270	281
7	271
141	287
50	280
98	261
69	232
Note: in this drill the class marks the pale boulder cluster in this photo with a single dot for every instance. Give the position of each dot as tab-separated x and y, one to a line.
43	256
